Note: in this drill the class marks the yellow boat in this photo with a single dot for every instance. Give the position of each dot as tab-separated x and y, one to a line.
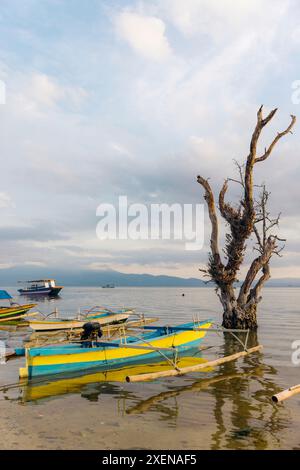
14	310
153	344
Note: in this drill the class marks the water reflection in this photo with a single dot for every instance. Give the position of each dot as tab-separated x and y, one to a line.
253	421
92	385
41	299
233	400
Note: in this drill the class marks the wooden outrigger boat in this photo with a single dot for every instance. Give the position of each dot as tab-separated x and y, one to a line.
102	316
65	336
14	310
153	344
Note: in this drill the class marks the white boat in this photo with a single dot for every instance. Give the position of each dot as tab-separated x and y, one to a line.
105	317
40	287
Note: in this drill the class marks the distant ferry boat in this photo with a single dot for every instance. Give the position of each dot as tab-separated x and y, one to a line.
41	287
108	286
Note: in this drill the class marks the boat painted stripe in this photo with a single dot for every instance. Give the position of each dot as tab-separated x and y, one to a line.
66	321
14	312
56	356
69	324
50	369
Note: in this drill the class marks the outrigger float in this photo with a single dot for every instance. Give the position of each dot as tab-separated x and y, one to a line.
285	394
152	344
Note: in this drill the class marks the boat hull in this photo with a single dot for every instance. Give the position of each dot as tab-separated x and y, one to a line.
70	358
12	312
76	324
51	291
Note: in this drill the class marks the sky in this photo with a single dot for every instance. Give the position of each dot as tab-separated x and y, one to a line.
135	98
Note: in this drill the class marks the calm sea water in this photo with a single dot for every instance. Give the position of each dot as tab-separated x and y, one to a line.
226	408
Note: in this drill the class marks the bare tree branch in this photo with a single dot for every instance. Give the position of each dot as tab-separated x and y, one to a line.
256	265
251	217
277	138
227	211
214	239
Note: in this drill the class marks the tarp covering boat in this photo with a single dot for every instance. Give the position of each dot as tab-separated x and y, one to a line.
4	295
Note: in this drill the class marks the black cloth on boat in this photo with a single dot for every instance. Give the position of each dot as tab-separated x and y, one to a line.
91	331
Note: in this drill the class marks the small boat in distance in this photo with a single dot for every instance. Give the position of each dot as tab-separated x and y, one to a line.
108	286
41	287
13	310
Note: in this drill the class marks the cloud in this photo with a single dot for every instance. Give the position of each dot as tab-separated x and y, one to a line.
41	230
87	120
145	34
39	92
6	201
44	90
217	19
6	265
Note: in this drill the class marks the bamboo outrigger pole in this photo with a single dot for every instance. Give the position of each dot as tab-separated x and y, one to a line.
288	393
186	370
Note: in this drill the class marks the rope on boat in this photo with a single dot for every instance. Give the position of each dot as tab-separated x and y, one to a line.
221	329
173	363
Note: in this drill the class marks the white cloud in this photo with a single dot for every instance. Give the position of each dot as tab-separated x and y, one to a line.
145	34
120	149
295	35
34	263
6	265
38	91
44	90
151	126
219	19
5	201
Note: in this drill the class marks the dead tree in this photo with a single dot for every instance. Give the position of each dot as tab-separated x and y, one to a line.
249	218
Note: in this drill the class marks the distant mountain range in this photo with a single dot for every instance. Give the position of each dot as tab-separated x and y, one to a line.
10	276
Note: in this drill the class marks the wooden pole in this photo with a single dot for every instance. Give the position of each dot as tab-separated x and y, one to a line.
186	370
288	393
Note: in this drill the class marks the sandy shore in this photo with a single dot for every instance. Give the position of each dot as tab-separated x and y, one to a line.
67	424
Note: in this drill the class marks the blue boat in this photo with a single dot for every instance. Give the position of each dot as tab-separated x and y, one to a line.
40	287
154	343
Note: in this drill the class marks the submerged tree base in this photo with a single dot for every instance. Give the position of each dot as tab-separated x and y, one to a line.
241	319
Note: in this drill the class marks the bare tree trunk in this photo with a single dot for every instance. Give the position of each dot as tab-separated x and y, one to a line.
240	310
243	319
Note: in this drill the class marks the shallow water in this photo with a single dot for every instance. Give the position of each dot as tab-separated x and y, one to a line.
226	408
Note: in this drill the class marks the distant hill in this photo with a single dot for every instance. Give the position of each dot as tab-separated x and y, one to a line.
286	282
10	276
